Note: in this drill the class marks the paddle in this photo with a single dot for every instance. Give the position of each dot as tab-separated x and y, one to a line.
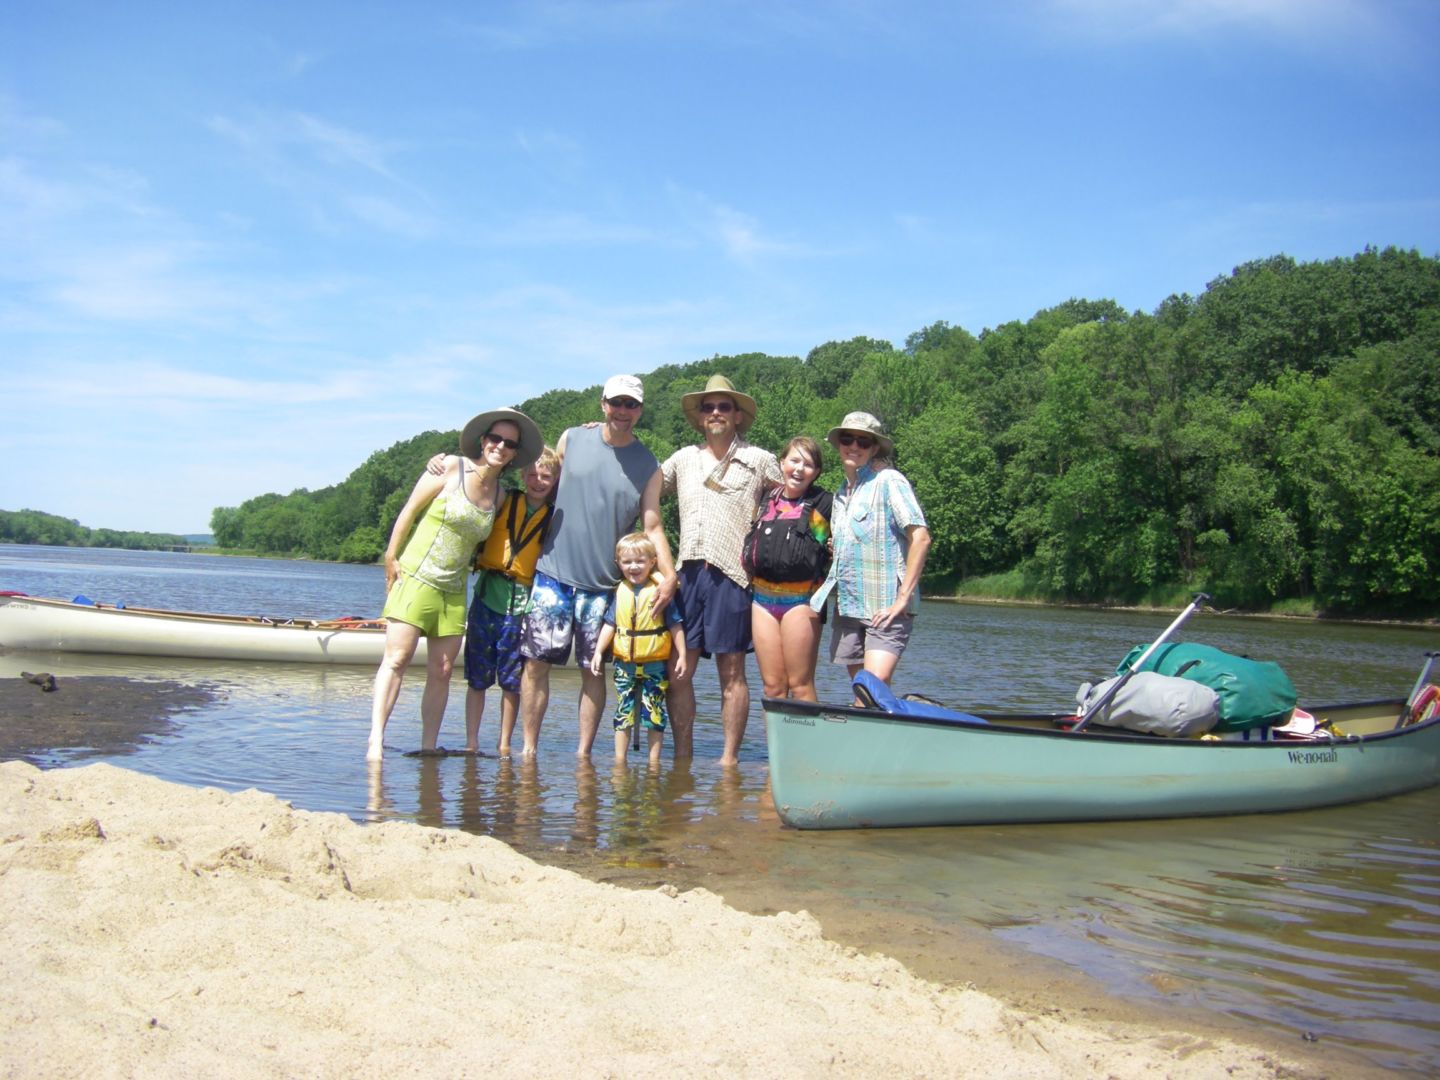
1407	714
1109	695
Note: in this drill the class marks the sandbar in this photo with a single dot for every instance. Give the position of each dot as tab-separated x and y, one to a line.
153	929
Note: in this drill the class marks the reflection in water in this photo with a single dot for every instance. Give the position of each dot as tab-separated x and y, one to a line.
516	805
585	831
1326	921
470	802
1291	917
430	799
636	816
378	804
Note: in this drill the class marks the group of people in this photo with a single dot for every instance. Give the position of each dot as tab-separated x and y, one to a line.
561	567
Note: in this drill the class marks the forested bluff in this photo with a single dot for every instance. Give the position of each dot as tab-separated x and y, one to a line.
1274	441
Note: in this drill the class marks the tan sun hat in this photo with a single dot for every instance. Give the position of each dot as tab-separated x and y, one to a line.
719	384
862	423
531	441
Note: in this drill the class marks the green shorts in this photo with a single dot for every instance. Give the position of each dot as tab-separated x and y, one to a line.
435	613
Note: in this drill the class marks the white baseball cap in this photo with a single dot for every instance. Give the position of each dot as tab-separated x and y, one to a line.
623	386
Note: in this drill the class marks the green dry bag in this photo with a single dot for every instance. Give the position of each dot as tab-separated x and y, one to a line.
1252	693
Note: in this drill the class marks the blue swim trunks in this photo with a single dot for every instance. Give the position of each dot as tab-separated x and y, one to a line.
492	647
558	615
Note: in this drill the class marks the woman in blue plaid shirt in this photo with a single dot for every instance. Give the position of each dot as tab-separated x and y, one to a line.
880	543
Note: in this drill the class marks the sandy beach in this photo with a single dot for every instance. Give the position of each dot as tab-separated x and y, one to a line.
153	929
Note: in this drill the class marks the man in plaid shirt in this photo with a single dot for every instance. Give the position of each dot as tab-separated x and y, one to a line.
719	484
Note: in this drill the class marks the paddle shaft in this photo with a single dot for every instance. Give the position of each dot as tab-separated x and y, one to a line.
1420	685
1109	695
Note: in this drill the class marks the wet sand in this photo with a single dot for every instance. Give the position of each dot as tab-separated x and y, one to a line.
98	714
152	928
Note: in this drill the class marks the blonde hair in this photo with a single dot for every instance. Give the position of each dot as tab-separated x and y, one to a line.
548	459
637	542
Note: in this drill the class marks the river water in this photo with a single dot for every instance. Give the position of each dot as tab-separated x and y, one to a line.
1318	924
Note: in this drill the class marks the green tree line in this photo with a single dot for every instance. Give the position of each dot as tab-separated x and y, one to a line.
35	527
1273	438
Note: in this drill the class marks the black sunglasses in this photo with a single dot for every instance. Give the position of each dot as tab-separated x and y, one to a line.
493	439
864	442
623	403
717	406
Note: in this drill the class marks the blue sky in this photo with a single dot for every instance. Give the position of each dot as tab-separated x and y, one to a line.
242	246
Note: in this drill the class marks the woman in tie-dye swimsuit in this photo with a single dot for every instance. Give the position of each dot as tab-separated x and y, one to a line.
789	555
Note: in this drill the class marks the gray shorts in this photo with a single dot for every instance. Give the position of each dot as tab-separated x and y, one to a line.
558	615
851	637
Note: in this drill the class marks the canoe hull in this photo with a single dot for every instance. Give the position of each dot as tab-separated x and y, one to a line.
37	623
839	768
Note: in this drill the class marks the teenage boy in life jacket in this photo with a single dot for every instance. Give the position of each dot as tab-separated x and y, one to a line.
506	568
643	640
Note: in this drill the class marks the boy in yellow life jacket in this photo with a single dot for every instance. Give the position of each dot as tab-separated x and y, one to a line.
506	566
643	641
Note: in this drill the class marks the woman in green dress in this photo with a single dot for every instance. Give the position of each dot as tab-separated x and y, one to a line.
425	583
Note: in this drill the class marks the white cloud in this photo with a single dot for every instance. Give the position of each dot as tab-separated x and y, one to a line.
562	228
561	154
543	23
739	235
1299	20
389	216
317	162
341	146
167	386
141	284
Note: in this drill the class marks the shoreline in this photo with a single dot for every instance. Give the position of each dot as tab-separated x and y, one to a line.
1147	609
952	598
155	927
1016	991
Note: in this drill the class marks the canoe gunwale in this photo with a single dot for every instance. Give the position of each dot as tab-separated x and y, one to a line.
1025	724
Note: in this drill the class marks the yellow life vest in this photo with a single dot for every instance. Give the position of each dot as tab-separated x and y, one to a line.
639	637
513	549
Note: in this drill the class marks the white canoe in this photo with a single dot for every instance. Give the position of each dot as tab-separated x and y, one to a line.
38	623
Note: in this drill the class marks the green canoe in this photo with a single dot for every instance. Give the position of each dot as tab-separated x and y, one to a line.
841	767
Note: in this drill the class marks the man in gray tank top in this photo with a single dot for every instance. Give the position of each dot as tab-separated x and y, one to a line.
608	479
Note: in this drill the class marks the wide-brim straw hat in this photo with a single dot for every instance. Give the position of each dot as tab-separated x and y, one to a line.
862	423
531	441
719	384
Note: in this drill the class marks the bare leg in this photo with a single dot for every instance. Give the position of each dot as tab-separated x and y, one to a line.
765	631
401	641
880	664
440	662
592	705
474	713
855	669
534	700
800	642
622	743
734	703
680	701
509	710
657	743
